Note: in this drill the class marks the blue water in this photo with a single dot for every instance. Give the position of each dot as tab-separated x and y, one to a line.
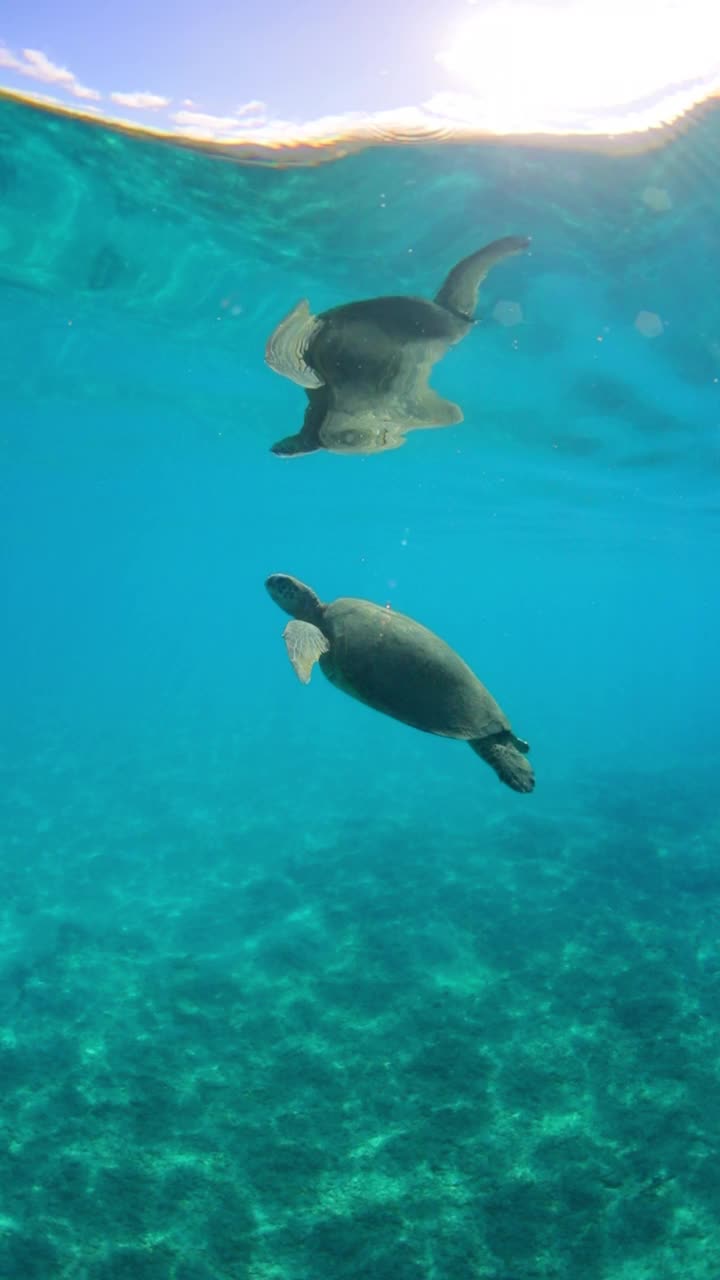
290	990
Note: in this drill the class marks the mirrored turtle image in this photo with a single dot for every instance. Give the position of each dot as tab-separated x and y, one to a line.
365	365
394	664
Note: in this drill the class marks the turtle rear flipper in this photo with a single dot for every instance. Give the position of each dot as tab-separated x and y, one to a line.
287	345
459	292
305	644
510	765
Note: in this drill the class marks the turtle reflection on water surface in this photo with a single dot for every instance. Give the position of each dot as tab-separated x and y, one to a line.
365	365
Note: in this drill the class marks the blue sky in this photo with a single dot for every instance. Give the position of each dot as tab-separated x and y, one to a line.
301	59
229	68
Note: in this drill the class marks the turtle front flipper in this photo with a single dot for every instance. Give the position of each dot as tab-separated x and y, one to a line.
459	292
305	644
510	765
307	439
288	344
294	446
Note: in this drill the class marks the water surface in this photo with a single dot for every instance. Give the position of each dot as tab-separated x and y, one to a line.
289	989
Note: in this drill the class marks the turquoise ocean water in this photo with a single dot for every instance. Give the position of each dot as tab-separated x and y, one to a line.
291	991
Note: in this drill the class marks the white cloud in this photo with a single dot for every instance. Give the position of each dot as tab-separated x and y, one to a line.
252	108
204	120
37	66
143	100
216	128
82	91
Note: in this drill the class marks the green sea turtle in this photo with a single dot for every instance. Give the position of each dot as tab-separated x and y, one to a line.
365	365
392	663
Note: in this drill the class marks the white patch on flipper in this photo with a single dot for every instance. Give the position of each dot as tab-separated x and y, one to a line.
305	644
286	346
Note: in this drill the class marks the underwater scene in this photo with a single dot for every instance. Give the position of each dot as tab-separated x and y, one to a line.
291	988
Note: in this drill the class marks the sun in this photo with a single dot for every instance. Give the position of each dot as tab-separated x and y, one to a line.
585	61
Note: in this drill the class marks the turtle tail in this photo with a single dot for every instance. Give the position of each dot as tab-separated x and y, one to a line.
509	763
459	292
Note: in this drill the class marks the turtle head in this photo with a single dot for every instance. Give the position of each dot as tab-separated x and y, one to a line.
294	597
363	439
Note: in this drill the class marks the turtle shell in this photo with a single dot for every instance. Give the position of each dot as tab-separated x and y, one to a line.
394	664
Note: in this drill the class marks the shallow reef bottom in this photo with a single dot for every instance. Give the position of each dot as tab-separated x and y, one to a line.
238	1047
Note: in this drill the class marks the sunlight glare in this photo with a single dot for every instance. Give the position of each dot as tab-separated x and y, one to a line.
560	65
